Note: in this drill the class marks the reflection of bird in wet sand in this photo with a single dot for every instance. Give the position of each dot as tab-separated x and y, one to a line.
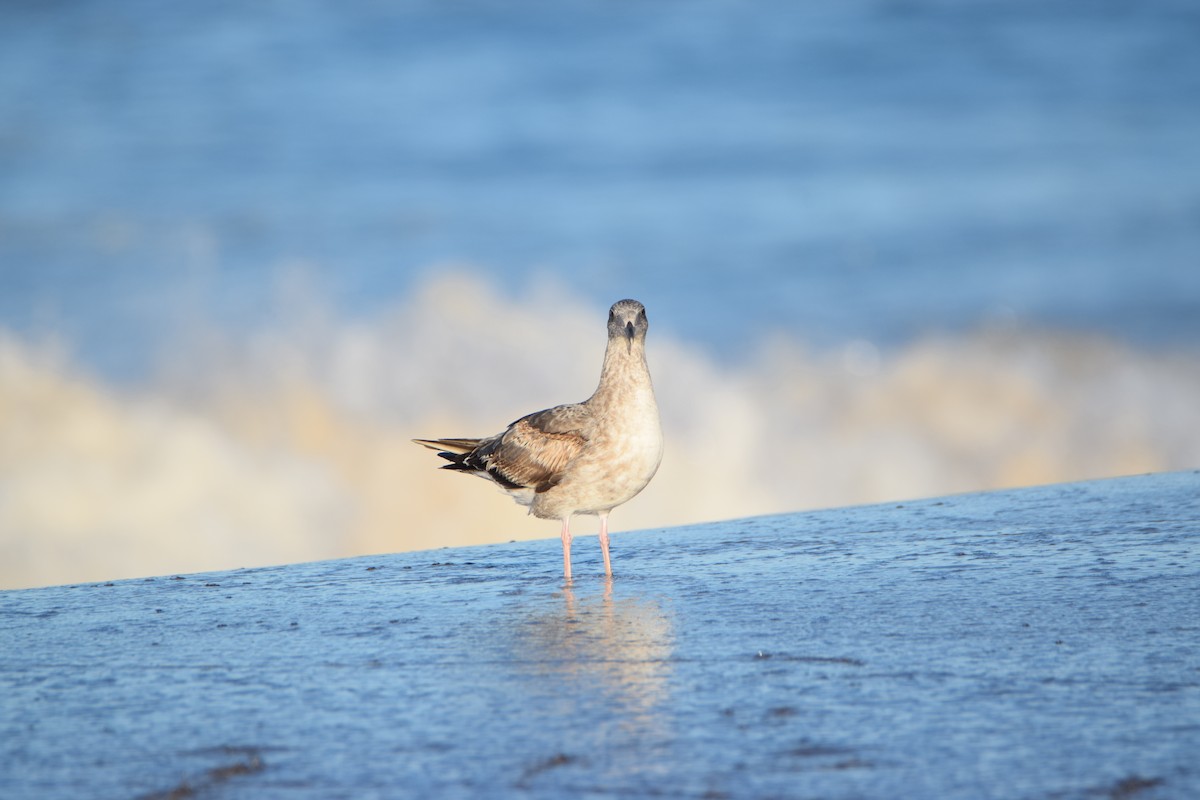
601	652
580	458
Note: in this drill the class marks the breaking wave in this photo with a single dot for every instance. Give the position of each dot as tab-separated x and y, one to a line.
291	443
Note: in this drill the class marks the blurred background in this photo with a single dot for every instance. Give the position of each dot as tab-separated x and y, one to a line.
889	248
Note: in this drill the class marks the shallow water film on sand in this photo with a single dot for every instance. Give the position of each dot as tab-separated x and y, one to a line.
1035	643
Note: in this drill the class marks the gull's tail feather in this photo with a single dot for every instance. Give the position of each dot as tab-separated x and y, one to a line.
449	446
464	456
459	452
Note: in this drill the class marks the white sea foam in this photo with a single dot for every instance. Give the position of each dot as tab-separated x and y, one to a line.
292	442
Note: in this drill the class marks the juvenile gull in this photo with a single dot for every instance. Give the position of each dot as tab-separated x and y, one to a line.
579	458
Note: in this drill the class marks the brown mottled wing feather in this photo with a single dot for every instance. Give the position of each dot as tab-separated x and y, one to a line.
535	450
531	454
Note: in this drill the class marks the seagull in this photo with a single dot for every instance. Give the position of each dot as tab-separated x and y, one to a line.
579	458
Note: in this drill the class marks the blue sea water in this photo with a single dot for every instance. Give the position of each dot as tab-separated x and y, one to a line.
874	169
890	249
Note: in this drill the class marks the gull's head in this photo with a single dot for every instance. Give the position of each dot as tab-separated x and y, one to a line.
627	320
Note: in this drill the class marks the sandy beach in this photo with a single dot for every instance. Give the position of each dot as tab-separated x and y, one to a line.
1028	643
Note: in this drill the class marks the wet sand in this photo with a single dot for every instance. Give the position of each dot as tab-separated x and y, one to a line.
1037	643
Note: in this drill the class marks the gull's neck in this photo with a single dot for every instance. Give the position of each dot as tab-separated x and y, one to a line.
624	373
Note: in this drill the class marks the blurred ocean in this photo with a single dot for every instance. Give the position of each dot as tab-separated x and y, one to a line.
889	249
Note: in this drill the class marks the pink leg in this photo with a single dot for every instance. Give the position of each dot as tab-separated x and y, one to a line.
566	540
604	543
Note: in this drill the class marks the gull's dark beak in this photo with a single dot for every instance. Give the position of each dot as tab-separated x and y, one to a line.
628	330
